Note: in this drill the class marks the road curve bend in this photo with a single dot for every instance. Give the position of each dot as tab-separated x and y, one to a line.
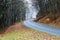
41	27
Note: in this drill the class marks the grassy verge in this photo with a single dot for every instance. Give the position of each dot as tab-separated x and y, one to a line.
20	35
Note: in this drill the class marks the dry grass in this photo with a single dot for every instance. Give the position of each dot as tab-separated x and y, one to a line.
20	32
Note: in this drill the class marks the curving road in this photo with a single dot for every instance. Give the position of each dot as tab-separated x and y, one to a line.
42	27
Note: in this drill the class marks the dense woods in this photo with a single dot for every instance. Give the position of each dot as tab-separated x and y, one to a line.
11	11
49	12
49	9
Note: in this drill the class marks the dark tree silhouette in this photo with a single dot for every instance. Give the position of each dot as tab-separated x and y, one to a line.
11	11
49	8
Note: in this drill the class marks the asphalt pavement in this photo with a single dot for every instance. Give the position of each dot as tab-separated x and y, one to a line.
41	27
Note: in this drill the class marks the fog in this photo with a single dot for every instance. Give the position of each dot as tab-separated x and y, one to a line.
32	8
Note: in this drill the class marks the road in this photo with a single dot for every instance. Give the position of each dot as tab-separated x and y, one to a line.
41	27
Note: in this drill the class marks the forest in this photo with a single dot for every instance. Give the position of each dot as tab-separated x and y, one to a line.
12	11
